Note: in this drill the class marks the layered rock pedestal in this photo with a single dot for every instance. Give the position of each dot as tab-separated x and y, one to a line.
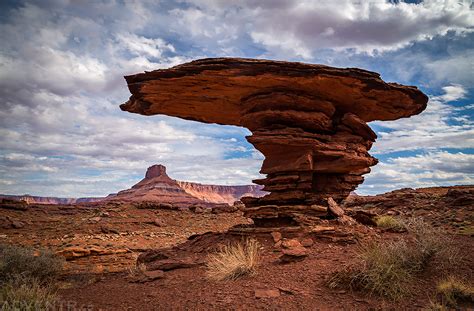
309	121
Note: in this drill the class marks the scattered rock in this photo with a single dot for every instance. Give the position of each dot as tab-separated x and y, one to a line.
74	252
346	220
293	254
224	208
320	229
307	242
159	222
291	243
334	208
276	236
165	205
198	210
106	230
267	293
172	264
149	276
17	224
364	217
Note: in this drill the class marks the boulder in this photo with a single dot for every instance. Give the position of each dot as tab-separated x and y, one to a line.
267	293
293	254
292	243
276	236
334	209
307	242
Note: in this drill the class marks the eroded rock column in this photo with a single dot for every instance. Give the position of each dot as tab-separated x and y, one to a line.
311	154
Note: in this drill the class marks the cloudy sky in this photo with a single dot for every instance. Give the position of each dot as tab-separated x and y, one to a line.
61	82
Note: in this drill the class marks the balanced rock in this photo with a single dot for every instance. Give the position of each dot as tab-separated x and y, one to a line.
309	121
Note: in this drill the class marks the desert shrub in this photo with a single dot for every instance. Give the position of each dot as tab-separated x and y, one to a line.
453	290
390	223
26	293
234	261
384	269
388	268
18	261
432	242
27	278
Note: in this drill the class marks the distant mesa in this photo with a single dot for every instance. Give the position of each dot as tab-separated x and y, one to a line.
157	186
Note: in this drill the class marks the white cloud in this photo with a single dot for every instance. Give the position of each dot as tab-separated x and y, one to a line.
436	127
302	27
426	170
457	68
139	45
62	67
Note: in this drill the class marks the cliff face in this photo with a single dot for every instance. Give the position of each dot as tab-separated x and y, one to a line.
220	194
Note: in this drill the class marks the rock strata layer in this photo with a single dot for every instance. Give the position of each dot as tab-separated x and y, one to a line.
309	121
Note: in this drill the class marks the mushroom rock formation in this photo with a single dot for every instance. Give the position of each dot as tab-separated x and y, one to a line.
309	121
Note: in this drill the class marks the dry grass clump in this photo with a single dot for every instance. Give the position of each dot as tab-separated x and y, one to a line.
384	269
390	223
432	243
234	261
27	294
453	291
27	278
388	268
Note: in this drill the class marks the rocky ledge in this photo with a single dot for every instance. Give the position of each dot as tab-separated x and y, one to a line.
309	121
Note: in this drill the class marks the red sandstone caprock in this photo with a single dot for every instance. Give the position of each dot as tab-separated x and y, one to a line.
309	121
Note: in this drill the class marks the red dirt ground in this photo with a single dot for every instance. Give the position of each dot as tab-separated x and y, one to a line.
119	233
